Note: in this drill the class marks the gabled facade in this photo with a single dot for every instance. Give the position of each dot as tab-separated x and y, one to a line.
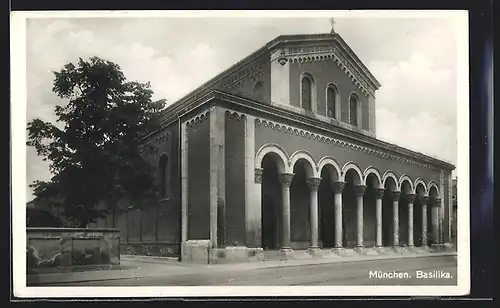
279	153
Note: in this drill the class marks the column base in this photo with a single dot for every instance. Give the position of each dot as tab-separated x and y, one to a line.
337	251
450	247
398	249
360	249
196	251
344	252
412	248
314	251
445	247
424	249
381	250
368	251
286	253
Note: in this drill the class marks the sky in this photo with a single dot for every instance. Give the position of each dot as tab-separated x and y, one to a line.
415	60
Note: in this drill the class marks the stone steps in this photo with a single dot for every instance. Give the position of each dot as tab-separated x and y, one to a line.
275	255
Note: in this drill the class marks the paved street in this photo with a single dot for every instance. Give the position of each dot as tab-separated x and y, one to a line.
355	273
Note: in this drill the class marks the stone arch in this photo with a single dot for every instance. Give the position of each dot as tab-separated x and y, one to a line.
303	154
389	174
331	163
374	171
431	185
405	178
351	165
420	182
278	151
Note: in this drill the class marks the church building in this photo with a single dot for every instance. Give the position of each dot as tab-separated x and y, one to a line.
278	156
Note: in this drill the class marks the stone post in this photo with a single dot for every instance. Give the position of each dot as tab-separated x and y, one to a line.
286	180
395	217
379	194
423	201
435	204
338	187
313	184
360	191
411	199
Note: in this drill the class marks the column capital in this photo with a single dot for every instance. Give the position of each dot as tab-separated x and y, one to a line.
395	195
359	190
410	198
423	200
286	179
338	187
313	183
435	202
258	175
379	193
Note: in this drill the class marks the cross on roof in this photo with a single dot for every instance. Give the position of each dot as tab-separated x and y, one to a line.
332	21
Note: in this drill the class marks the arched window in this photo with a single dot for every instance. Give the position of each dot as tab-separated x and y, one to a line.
353	110
331	101
257	90
307	92
163	167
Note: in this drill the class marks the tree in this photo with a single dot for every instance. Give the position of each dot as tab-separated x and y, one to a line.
95	156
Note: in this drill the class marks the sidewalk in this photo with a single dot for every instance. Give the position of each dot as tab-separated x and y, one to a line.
144	267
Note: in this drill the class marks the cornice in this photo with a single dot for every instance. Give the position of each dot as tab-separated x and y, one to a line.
350	137
349	56
292	130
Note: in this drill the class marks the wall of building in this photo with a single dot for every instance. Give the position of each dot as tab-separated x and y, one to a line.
198	190
252	81
235	232
318	149
325	72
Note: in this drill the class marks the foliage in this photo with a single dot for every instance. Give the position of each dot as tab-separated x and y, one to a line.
42	218
94	151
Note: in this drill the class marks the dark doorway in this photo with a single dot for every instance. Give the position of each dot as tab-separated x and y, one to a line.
326	210
271	201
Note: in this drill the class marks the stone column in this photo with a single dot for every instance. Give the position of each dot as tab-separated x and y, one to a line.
286	180
253	214
184	188
395	217
411	199
217	176
435	207
379	194
338	187
360	192
313	207
423	201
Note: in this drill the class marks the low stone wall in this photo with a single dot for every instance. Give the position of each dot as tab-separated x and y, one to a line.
65	248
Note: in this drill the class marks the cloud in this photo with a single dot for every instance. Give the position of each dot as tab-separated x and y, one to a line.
416	85
422	133
415	60
415	107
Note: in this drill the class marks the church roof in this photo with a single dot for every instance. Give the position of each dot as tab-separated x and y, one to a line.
270	46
